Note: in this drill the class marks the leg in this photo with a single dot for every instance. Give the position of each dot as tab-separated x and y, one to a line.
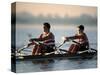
34	49
73	48
40	50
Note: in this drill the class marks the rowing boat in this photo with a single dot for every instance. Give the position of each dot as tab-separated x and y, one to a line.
79	55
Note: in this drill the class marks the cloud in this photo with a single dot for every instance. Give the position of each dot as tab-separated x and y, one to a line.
27	18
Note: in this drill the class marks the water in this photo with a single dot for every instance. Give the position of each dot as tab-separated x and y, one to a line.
23	35
54	65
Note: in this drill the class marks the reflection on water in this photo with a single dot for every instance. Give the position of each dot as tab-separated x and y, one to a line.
54	64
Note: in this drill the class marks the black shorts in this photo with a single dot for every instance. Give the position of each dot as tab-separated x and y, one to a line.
48	49
82	48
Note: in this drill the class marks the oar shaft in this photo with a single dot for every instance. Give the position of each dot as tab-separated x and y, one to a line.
61	45
93	49
27	50
24	47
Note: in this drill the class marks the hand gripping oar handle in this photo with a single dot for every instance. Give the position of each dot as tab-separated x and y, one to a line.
76	42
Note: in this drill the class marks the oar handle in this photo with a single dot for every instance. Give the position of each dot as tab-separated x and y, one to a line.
75	42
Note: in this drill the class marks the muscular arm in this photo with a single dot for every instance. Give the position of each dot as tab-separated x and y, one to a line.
71	37
49	36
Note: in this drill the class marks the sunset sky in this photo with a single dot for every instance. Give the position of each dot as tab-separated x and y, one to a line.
55	9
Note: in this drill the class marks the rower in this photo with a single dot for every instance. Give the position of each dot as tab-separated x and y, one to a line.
48	40
81	43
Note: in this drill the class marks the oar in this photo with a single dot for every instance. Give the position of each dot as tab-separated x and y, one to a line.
59	50
63	50
22	48
25	46
93	49
27	50
75	42
61	45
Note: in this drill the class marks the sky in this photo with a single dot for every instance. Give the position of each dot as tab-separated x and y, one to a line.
29	13
53	9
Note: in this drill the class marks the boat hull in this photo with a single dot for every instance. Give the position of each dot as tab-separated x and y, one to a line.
85	55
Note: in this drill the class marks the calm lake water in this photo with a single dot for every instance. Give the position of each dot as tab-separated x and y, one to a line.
23	35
